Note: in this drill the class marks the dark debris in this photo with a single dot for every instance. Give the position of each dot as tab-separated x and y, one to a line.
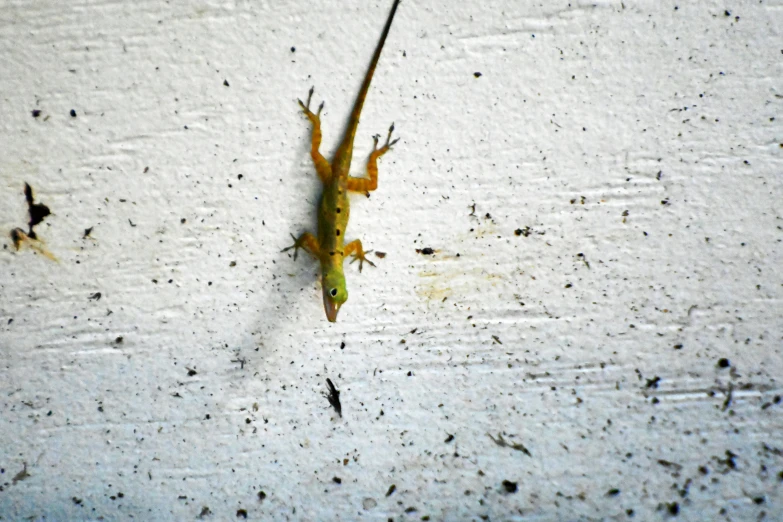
334	397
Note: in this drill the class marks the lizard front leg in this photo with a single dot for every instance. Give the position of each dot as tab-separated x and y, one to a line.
322	166
371	181
308	243
354	248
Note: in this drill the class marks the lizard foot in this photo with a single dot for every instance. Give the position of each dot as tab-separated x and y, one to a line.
361	256
296	246
306	106
388	145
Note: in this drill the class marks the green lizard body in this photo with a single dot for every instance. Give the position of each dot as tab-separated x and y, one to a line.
329	246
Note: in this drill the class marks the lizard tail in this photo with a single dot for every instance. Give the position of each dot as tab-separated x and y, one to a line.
345	151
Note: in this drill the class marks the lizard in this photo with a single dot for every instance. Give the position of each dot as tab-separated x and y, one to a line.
329	246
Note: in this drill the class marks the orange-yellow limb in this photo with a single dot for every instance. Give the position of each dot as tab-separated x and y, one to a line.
322	166
306	242
354	248
370	183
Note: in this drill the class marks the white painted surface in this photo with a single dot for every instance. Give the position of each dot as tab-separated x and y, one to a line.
583	111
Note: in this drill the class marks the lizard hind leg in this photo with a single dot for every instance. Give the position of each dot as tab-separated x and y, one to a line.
322	166
354	248
370	183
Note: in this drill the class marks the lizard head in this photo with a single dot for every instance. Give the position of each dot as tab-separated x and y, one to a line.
335	294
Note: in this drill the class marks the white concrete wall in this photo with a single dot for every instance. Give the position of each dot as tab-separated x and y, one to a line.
640	142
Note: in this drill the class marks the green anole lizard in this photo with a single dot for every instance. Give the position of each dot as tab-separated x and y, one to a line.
329	246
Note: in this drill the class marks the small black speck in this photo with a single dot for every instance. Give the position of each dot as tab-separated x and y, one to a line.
337	480
261	496
678	347
673	508
727	12
449	438
225	82
393	488
723	363
242	513
410	374
477	74
342	345
758	500
337	232
191	373
510	487
613	492
339	210
36	113
293	49
73	113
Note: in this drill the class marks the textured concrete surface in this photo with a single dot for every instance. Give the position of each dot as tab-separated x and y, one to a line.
597	334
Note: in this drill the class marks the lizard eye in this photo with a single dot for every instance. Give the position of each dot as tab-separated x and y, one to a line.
333	292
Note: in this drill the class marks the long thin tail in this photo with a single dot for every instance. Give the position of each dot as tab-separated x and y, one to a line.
342	158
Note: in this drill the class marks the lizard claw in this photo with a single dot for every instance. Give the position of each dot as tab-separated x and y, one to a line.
306	106
388	138
386	146
295	246
360	256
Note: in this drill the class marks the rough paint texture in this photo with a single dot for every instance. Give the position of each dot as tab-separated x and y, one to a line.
625	166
